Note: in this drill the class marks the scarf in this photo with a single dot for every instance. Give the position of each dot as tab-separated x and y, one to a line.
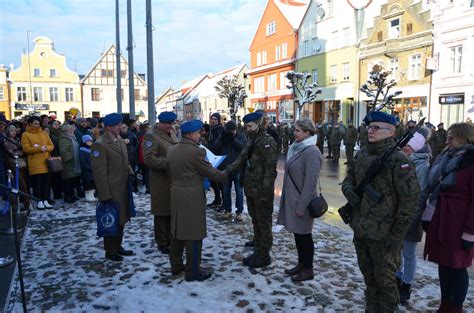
298	147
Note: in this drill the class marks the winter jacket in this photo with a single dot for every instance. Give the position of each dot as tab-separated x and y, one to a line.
54	134
230	146
31	141
86	165
80	131
132	147
70	157
453	218
214	134
12	147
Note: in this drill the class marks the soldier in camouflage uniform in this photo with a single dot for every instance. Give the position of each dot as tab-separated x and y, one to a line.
258	159
281	134
285	138
379	228
335	142
441	137
363	136
399	130
320	140
350	139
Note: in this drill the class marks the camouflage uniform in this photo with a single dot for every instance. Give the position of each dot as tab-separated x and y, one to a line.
441	138
380	228
327	137
363	136
292	134
335	142
281	136
320	140
285	138
399	131
259	180
433	142
350	139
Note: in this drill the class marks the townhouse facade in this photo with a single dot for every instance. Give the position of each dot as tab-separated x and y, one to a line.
99	88
4	93
273	55
401	40
452	98
44	84
328	50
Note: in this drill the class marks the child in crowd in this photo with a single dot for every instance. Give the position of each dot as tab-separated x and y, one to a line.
86	167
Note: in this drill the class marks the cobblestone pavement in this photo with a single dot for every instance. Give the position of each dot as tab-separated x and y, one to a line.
65	270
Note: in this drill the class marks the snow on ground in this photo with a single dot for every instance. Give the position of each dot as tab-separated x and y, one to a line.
65	270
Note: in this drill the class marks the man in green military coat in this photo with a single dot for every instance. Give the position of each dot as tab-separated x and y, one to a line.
442	136
187	169
155	148
111	171
335	141
258	159
363	136
380	227
350	138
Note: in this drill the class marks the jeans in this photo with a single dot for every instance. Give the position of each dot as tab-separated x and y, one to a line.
239	195
407	262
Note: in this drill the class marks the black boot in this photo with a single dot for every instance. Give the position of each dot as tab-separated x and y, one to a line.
114	257
405	292
260	261
250	243
121	251
295	270
247	259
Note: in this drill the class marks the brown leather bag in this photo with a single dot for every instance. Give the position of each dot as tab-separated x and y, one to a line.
55	164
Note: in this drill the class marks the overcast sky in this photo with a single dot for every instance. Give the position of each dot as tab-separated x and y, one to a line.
192	37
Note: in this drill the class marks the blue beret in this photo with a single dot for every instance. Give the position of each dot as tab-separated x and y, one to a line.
251	117
167	117
377	116
112	119
191	126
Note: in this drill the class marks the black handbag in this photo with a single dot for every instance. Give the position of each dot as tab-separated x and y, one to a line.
318	206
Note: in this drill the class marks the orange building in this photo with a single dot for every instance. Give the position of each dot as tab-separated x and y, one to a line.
272	55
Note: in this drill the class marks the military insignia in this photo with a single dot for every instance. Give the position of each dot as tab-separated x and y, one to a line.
95	153
405	167
267	146
148	143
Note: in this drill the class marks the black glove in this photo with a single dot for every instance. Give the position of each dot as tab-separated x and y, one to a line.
467	245
351	196
425	225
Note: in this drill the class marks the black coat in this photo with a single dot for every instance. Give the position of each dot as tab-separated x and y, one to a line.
214	134
229	145
86	165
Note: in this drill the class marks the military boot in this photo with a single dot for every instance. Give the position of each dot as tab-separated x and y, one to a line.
247	259
260	261
405	292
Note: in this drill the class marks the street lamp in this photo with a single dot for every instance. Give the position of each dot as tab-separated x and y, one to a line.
303	91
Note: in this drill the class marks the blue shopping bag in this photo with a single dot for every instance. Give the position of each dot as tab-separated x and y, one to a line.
107	214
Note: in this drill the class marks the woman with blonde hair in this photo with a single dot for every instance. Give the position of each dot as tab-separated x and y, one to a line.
450	233
302	169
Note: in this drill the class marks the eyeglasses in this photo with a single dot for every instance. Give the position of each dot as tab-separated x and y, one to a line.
376	128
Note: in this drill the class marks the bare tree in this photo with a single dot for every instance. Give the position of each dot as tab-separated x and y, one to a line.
378	87
230	88
303	91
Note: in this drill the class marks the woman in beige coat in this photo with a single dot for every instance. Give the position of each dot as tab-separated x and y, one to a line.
303	164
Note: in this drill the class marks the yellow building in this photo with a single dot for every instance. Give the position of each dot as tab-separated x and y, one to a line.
4	93
401	41
43	84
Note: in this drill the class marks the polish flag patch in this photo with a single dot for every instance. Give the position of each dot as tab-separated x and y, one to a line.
405	167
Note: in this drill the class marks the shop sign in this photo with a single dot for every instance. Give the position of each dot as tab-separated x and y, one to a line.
455	98
31	107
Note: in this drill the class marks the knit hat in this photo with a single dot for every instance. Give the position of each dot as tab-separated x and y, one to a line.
86	138
230	125
217	115
417	142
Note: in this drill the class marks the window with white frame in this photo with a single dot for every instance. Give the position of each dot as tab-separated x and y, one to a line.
53	94
52	72
259	84
394	64
314	45
69	94
271	28
272	82
414	67
264	57
284	50
345	71
36	72
38	94
278	53
394	30
455	59
334	39
333	72
305	48
21	93
346	36
259	58
284	82
315	75
2	94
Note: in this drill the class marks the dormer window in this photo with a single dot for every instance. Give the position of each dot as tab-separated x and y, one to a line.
271	28
394	31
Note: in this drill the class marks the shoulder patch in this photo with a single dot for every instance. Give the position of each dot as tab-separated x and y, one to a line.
148	143
95	153
405	167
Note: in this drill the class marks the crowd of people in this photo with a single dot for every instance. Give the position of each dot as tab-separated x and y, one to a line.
428	184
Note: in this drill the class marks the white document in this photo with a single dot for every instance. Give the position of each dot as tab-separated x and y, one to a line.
215	160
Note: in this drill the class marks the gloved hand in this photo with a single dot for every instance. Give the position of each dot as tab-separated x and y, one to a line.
467	245
351	196
393	245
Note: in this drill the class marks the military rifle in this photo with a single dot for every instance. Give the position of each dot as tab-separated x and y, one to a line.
364	186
